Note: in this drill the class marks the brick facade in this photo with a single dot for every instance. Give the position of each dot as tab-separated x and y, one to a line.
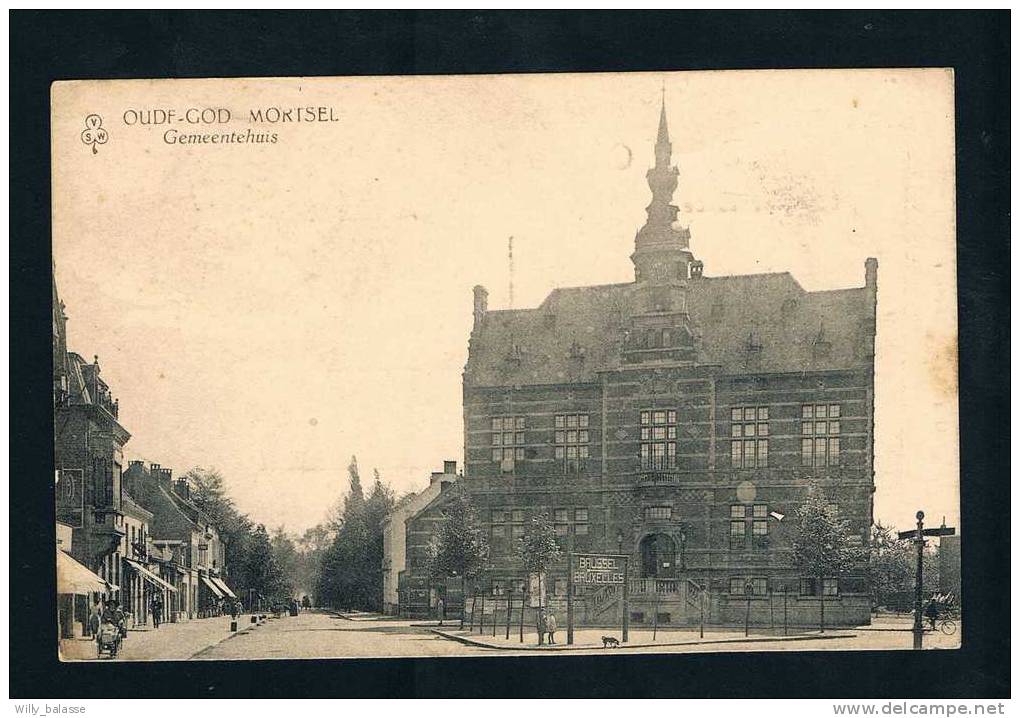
673	419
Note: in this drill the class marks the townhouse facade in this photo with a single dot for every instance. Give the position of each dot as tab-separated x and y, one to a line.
676	420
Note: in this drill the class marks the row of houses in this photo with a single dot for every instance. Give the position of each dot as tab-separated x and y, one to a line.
127	533
675	421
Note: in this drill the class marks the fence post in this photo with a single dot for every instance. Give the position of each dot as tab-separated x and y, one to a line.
509	609
523	603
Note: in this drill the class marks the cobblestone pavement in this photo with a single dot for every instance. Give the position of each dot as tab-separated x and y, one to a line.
321	635
171	641
325	636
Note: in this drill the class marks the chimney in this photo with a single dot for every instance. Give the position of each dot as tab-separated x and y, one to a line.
436	476
449	467
481	302
182	489
871	273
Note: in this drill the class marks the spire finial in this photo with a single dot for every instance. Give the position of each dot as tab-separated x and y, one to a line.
663	136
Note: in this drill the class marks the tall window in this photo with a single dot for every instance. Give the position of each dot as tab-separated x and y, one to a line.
566	521
749	431
819	428
581	522
748	521
572	441
507	440
658	439
507	525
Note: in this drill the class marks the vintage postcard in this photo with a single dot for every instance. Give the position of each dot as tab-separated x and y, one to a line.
505	365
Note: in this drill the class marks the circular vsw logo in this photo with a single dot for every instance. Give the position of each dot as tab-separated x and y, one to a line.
94	134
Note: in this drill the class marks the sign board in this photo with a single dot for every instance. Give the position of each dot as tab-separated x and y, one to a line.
589	569
70	495
941	531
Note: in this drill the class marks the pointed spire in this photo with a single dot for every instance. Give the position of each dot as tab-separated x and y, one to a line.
663	126
663	147
660	248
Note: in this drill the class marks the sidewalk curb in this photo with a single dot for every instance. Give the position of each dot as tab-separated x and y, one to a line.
563	647
232	634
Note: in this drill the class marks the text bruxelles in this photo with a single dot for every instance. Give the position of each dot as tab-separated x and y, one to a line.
597	570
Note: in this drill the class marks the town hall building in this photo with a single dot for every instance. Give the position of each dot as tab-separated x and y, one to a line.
676	419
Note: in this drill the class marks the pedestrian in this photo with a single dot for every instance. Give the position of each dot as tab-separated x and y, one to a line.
113	614
440	610
550	627
932	612
157	610
95	619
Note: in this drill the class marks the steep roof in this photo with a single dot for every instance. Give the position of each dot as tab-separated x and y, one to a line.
577	332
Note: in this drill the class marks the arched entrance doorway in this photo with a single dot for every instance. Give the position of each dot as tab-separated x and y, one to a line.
658	556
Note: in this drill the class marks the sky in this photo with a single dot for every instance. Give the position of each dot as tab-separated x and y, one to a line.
271	310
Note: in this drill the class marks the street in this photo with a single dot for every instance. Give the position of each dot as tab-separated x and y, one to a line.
319	635
324	635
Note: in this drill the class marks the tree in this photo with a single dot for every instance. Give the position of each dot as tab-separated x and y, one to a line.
265	575
538	549
890	565
209	494
286	555
821	546
461	547
350	574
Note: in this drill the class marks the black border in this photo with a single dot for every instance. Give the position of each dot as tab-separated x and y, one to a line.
46	46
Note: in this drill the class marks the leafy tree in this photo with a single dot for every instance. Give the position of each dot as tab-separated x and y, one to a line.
350	574
821	546
287	558
208	493
265	575
537	550
890	564
460	547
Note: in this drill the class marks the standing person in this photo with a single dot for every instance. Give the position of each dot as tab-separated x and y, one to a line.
157	610
113	614
95	619
550	627
932	611
441	610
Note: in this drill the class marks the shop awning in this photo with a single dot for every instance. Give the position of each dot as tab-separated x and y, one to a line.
212	587
72	577
150	576
224	587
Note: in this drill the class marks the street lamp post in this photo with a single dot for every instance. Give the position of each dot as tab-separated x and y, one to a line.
919	582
